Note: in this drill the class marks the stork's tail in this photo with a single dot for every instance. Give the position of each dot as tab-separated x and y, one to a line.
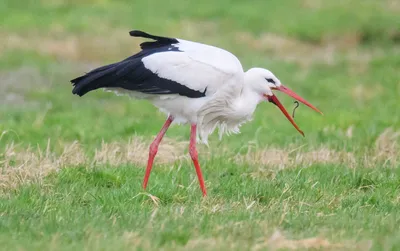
95	79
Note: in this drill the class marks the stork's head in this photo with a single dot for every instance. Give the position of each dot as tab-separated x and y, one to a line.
264	82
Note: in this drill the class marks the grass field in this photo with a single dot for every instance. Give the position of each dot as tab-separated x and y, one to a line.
71	168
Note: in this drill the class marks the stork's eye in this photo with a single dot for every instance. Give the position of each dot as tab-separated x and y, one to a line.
270	80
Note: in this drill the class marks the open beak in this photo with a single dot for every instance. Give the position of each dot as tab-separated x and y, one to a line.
273	99
291	93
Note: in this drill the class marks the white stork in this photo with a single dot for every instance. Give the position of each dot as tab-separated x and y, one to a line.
192	83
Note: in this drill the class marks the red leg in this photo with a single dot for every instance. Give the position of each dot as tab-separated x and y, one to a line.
194	155
154	149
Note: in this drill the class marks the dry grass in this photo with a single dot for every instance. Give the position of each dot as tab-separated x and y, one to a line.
329	51
31	165
386	153
363	93
287	48
197	30
387	147
293	50
278	241
84	48
136	152
16	83
283	158
392	5
20	167
75	47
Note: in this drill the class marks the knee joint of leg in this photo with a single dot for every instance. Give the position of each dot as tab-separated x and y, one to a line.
193	152
153	148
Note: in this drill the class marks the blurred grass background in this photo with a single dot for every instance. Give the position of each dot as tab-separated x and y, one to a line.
343	59
343	56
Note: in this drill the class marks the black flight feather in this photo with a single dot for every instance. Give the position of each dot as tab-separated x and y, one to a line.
131	74
159	41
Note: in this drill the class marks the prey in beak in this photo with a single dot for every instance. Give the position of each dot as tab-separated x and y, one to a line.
273	99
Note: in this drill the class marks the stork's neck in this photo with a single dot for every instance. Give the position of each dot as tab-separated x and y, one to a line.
230	109
243	105
248	99
249	93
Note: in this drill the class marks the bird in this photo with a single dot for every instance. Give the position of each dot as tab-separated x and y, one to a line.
192	83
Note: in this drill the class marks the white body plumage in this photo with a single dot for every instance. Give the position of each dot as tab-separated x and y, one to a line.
231	94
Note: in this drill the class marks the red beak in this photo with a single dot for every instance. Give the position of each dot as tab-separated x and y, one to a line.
291	93
284	89
273	99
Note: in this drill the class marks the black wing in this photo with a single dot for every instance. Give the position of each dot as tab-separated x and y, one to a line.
131	74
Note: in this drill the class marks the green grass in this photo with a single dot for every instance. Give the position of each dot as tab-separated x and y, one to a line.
89	205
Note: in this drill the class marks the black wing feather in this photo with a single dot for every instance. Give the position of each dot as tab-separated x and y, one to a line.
131	74
159	41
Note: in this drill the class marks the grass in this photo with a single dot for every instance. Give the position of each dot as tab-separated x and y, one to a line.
106	203
71	168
